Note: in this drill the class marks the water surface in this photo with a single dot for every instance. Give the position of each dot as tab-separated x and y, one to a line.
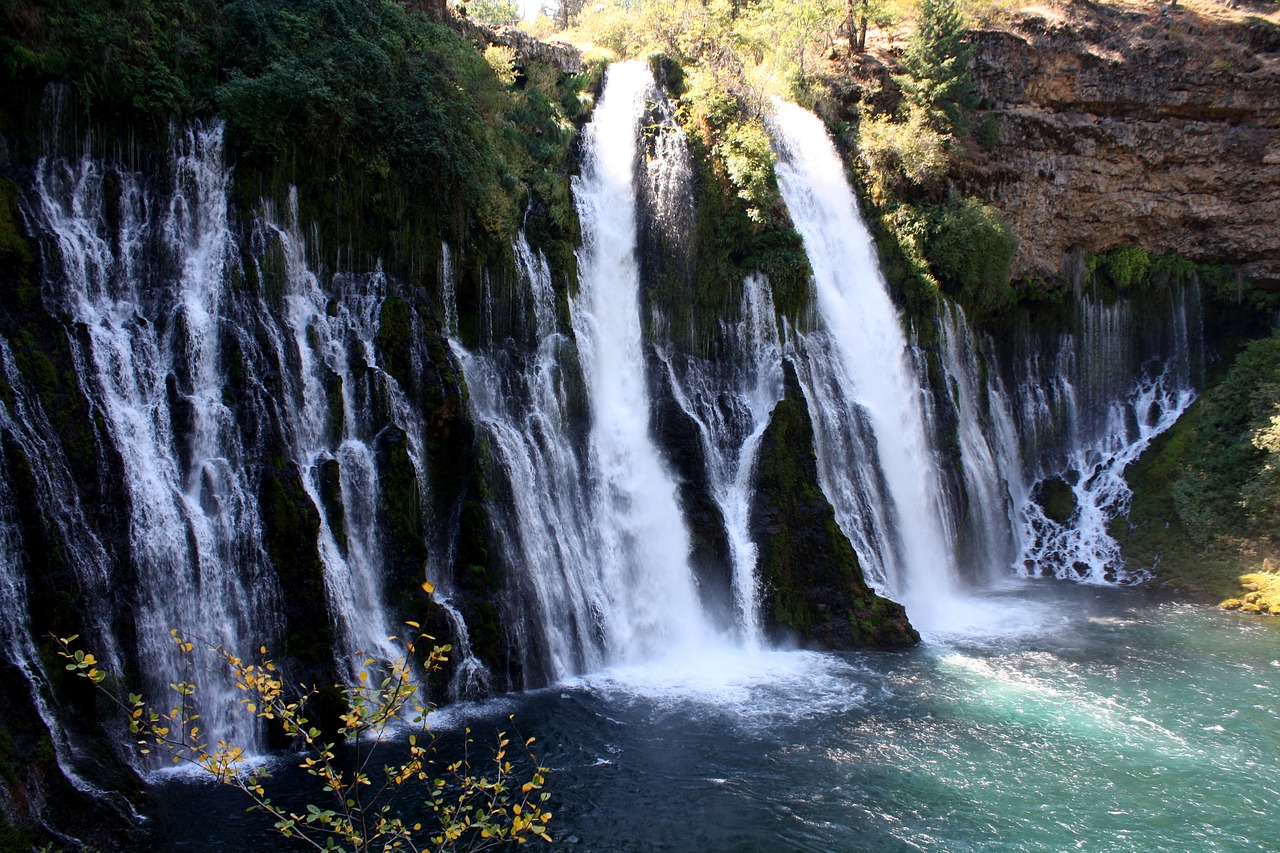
1054	717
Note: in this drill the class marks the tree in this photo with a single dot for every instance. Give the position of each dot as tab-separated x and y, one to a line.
495	13
472	810
936	60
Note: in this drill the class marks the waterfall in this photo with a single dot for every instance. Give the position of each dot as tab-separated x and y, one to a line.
328	409
863	333
16	642
992	477
553	545
1114	385
148	358
652	604
730	399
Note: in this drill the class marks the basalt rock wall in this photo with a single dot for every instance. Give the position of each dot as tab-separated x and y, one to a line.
1133	127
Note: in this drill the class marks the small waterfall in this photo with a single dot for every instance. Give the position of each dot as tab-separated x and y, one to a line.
730	399
16	643
552	545
448	292
149	359
327	409
652	605
1107	396
26	423
863	332
992	476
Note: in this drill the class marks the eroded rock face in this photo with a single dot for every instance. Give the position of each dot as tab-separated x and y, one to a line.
565	57
1125	128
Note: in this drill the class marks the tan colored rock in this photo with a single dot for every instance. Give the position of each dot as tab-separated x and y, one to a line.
1119	127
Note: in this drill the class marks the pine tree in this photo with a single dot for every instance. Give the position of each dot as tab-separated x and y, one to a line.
936	60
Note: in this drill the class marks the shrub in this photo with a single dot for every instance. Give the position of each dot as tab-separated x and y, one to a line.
897	154
472	810
1127	267
1231	488
970	248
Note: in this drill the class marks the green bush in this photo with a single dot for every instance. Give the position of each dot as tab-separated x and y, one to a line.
1231	488
1127	267
970	248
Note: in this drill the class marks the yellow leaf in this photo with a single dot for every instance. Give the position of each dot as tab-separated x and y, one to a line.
428	587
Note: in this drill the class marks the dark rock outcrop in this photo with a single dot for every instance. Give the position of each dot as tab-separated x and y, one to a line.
527	49
813	589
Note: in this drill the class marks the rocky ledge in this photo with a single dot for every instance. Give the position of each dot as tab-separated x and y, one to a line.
1128	125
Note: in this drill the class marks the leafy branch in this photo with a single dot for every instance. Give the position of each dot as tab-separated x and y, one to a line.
473	809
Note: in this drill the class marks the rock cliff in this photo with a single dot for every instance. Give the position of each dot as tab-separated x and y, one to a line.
1122	126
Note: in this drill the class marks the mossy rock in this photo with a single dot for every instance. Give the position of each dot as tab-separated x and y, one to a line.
814	590
1056	498
1261	592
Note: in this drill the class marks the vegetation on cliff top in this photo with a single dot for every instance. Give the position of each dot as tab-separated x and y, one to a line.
370	101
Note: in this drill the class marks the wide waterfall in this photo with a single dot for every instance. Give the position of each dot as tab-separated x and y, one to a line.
1112	386
207	424
148	358
863	332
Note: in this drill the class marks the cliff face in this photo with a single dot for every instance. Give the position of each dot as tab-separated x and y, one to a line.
1130	127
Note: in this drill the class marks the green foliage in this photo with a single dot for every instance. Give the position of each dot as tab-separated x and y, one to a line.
473	810
901	157
495	13
502	61
1125	268
935	62
970	248
1230	490
742	226
145	57
749	162
369	107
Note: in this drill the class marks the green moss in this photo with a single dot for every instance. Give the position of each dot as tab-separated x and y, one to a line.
814	590
395	340
1056	497
1260	592
741	226
1189	516
292	527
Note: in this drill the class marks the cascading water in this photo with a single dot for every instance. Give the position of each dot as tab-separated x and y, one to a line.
730	399
1105	398
327	410
651	603
16	643
553	545
596	538
993	480
148	357
874	374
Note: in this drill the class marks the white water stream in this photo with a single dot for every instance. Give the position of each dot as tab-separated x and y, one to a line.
874	375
